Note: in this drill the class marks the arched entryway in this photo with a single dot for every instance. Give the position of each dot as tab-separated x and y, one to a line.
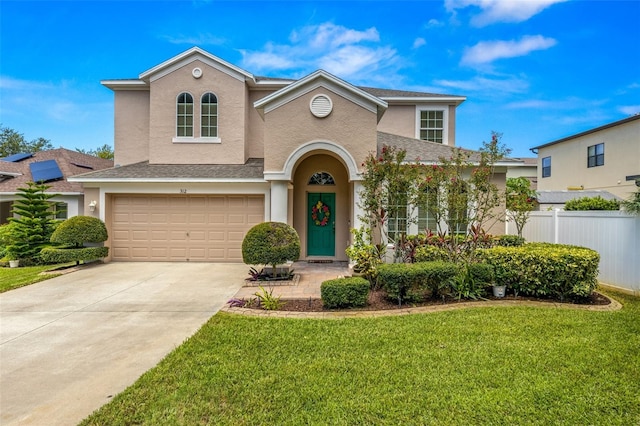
322	207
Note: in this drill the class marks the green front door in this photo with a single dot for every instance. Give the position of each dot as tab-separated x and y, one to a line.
321	220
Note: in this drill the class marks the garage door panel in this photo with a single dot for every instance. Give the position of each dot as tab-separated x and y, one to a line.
183	228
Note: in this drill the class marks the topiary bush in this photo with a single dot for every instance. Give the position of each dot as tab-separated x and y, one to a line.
270	243
344	292
71	236
544	269
78	230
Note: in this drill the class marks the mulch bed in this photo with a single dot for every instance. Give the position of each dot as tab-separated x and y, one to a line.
379	302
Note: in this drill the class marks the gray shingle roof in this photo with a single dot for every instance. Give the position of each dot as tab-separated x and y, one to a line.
391	93
253	169
561	197
429	152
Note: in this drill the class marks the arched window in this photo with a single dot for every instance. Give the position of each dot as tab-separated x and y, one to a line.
184	122
321	178
209	127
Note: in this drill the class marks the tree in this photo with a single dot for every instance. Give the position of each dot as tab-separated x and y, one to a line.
520	199
105	151
12	142
34	224
632	204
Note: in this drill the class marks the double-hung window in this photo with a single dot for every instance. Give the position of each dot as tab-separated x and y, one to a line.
209	116
184	125
546	167
595	155
432	125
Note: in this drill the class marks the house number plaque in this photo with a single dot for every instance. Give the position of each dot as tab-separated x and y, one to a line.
183	190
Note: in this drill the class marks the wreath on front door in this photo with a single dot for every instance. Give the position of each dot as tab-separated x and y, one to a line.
320	214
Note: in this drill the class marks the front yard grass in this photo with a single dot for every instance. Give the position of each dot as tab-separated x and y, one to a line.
497	366
11	278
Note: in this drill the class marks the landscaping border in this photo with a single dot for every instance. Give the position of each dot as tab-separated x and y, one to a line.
613	306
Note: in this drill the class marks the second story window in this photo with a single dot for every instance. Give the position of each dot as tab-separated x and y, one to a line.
595	155
432	125
209	126
184	125
546	167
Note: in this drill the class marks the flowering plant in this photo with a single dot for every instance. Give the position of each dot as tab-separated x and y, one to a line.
320	213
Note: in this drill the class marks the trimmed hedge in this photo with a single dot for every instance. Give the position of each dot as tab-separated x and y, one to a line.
543	269
344	292
64	255
430	253
407	282
509	241
591	203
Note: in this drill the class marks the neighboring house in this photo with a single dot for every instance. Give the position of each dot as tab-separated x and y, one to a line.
53	168
528	169
204	150
551	200
605	158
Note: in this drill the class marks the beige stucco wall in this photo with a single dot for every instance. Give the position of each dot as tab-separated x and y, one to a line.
232	104
399	120
131	126
255	125
291	125
342	211
569	161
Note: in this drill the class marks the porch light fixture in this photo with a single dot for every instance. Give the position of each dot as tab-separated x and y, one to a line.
92	205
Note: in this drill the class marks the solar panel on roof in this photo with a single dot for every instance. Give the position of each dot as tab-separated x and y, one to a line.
45	171
17	157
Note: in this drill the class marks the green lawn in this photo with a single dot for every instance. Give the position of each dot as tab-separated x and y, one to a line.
11	278
493	366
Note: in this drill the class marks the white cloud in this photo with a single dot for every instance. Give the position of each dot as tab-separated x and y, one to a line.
348	53
433	23
493	11
202	39
489	51
419	42
629	109
496	86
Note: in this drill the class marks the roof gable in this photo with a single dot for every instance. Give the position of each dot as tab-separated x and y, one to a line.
324	79
191	55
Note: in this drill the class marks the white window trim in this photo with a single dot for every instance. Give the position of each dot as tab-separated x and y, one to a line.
445	119
196	140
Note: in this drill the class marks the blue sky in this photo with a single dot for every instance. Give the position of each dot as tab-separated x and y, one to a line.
535	71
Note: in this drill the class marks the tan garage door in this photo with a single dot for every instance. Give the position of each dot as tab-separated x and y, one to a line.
183	228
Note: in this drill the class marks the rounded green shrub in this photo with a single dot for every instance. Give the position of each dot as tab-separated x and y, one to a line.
270	243
509	241
344	292
78	230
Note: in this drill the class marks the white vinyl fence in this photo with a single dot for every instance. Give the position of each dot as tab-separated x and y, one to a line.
613	234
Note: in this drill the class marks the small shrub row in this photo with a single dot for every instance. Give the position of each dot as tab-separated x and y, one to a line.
591	203
65	255
543	269
344	292
410	282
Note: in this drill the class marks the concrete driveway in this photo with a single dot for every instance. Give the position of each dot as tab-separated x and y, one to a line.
69	344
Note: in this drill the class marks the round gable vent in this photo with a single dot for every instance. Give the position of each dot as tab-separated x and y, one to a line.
321	106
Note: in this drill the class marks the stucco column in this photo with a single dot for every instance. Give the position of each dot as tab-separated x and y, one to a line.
279	200
357	211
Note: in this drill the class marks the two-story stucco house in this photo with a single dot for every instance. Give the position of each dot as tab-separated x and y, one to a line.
204	150
605	158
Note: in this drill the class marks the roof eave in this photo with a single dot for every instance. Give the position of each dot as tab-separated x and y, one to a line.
133	84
